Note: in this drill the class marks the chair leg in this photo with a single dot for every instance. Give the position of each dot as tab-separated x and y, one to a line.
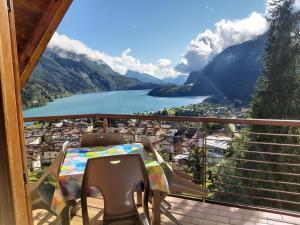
62	219
139	198
65	216
45	218
169	215
74	207
169	206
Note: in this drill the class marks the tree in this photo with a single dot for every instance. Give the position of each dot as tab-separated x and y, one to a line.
165	112
195	165
277	96
277	93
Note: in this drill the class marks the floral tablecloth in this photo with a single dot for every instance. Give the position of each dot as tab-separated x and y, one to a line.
75	161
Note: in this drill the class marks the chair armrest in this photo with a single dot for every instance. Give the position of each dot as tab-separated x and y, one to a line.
182	174
65	146
53	169
182	185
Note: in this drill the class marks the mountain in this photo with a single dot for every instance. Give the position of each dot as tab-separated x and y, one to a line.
60	73
179	80
231	74
143	77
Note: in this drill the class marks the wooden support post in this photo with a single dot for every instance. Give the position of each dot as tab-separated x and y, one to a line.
14	200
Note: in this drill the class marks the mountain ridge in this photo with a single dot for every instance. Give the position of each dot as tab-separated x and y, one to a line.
178	80
232	74
144	77
61	73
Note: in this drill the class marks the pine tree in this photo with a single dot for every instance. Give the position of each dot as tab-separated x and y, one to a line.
277	96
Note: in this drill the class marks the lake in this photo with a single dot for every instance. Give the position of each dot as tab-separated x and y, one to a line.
110	102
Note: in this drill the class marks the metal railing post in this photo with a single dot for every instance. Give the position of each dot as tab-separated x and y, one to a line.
204	159
105	125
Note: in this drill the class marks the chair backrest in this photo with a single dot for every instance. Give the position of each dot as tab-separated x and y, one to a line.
100	139
156	156
116	177
65	146
149	148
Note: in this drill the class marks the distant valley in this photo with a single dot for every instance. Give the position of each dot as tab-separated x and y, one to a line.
178	80
143	77
231	75
60	73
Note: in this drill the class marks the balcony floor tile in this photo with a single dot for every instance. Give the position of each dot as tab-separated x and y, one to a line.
191	213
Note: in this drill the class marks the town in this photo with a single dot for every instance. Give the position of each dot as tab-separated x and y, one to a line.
174	140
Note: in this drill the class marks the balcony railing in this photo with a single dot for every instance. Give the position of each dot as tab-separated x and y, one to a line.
245	162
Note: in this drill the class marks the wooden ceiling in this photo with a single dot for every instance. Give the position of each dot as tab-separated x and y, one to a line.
35	23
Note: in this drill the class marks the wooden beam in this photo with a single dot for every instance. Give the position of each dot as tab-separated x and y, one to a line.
13	197
40	38
14	48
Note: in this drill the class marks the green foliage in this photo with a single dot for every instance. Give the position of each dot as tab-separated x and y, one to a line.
33	176
195	165
277	93
277	96
166	155
226	184
171	91
200	109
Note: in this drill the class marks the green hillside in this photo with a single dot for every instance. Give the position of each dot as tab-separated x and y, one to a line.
60	73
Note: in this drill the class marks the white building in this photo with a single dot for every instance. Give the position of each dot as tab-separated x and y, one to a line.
34	141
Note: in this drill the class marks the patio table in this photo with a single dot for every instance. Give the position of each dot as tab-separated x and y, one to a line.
75	161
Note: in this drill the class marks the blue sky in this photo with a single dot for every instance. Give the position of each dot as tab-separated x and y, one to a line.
151	29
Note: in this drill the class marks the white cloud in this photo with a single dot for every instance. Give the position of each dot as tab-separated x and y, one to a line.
296	6
163	63
198	53
227	33
120	63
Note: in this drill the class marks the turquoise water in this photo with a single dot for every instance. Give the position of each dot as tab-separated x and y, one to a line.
111	102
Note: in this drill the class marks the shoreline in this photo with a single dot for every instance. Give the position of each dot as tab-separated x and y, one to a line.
110	102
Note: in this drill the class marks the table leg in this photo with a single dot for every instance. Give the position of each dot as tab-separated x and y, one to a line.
156	201
65	216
